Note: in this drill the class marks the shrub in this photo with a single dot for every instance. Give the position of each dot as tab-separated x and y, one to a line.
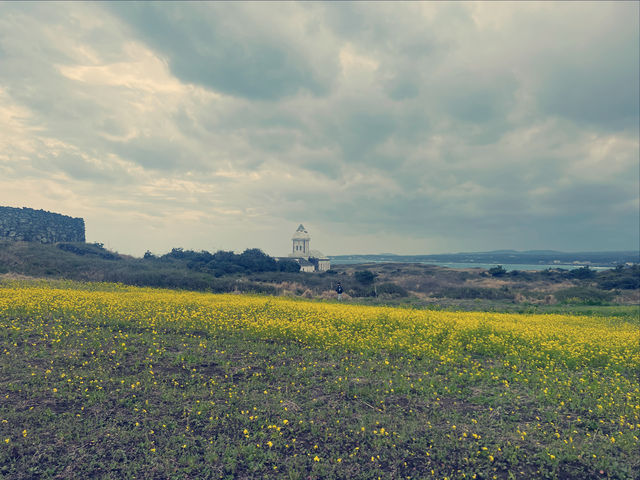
365	277
475	292
290	266
360	291
392	289
95	249
582	273
586	295
255	260
497	271
620	277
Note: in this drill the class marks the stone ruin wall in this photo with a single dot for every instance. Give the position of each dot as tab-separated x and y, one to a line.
27	224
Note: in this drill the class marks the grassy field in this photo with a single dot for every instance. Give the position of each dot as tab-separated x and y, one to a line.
108	381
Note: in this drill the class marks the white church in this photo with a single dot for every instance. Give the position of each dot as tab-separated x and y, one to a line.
309	260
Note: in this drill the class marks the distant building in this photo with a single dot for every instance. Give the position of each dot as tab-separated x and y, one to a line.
309	260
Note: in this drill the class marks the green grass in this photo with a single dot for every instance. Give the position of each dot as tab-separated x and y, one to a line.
628	313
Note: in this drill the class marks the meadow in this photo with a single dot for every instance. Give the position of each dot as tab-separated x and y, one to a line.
110	381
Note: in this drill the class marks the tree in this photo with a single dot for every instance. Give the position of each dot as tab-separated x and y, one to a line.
497	271
289	266
582	273
255	260
365	277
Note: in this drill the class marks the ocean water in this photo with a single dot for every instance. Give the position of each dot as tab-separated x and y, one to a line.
508	267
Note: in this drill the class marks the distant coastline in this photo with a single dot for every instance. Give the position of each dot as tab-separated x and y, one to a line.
509	259
507	266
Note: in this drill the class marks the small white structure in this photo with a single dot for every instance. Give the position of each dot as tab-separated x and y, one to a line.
309	260
301	240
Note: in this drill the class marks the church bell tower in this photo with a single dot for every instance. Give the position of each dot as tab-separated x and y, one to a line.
301	240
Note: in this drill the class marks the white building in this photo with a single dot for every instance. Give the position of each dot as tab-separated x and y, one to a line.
309	260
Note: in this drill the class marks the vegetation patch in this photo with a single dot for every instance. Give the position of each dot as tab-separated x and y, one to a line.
586	295
110	381
475	292
252	271
95	249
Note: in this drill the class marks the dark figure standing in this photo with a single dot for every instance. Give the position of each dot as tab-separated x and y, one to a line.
339	291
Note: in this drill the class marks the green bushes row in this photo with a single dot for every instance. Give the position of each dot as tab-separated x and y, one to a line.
475	292
584	295
91	249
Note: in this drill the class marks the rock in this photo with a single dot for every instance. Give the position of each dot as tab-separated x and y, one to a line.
39	226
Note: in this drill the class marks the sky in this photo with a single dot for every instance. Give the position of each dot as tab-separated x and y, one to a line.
408	128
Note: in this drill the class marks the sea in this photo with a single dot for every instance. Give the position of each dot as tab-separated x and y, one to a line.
508	267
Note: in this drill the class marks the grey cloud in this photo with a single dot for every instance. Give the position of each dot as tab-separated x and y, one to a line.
594	200
403	89
227	48
382	27
604	94
359	131
472	98
78	168
155	154
598	84
474	134
585	65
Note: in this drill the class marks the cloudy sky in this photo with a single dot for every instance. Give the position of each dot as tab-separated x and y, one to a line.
382	127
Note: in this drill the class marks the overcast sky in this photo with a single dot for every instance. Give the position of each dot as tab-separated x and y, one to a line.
382	127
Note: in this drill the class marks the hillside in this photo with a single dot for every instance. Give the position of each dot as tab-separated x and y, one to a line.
394	283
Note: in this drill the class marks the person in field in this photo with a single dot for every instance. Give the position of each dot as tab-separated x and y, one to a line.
339	291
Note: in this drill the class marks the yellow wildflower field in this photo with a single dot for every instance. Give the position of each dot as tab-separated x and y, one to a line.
577	377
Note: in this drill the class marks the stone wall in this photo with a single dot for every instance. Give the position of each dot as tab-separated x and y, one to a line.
27	224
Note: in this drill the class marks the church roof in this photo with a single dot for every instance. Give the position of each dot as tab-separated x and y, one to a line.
301	234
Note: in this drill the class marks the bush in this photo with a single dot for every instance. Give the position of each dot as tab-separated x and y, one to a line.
290	266
255	260
223	263
586	295
620	277
497	271
475	292
581	273
365	277
392	289
625	283
359	291
95	249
